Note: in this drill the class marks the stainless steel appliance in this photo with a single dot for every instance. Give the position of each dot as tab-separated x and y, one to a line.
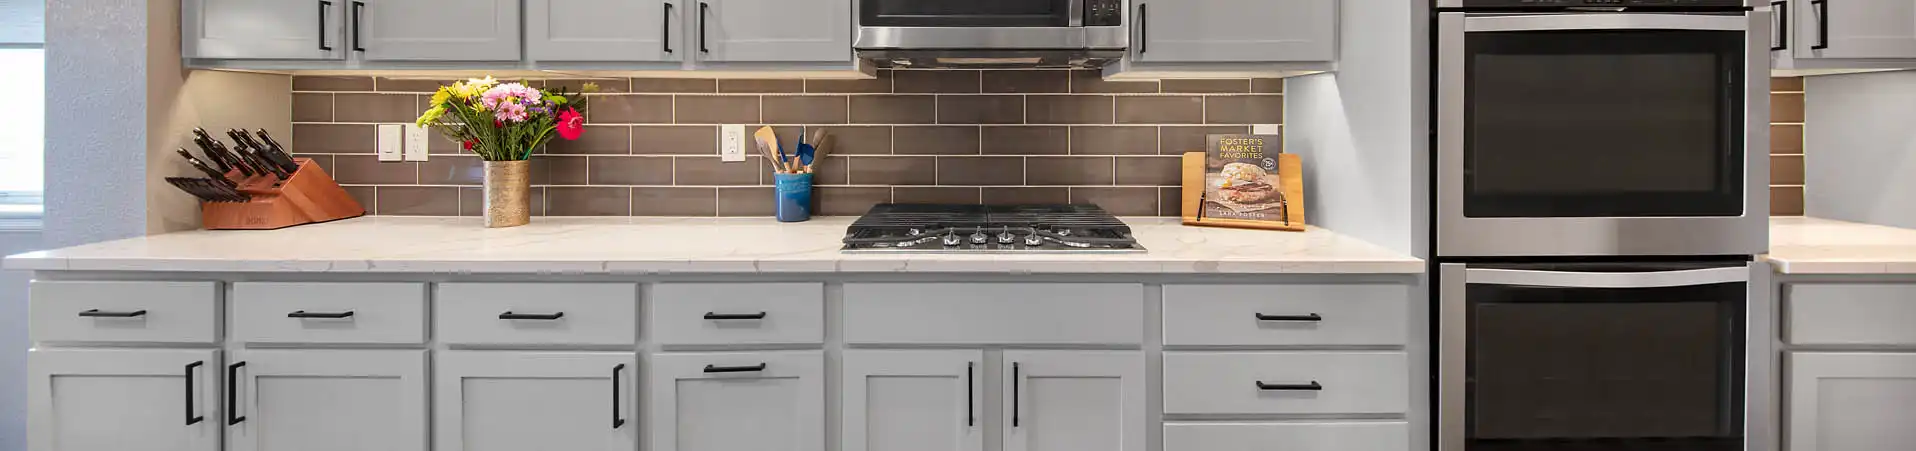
1609	356
969	228
1621	130
992	33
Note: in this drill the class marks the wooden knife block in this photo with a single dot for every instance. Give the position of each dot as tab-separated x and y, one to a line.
309	196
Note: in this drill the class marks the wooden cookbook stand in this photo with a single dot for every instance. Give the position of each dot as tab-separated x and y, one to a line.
309	196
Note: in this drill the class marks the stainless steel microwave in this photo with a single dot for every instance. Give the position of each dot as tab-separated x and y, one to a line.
1023	33
1600	134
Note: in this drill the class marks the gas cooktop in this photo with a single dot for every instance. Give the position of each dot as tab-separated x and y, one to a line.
970	228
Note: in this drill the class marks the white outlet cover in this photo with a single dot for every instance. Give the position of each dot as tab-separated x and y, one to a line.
416	143
391	142
732	142
1267	129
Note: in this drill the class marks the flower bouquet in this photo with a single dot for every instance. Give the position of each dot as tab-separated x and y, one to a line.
504	123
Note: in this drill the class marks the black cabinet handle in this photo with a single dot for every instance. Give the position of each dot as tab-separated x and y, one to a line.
1313	386
192	419
96	313
665	28
734	316
323	7
971	419
735	369
1822	8
1144	30
1312	317
1782	24
232	394
532	316
704	9
617	420
359	16
1015	382
318	315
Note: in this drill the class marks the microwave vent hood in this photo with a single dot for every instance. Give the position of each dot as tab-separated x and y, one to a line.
990	59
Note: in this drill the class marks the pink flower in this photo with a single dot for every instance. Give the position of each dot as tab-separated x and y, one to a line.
571	124
510	101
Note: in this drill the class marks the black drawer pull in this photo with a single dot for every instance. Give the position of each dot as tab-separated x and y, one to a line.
735	369
732	316
232	394
532	316
1312	317
324	6
1313	386
1782	9
192	419
96	313
318	315
1822	8
618	420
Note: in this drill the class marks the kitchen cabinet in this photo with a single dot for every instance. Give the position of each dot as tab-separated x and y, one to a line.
772	30
1850	401
1234	30
727	401
327	399
1817	36
264	29
436	30
1073	400
604	30
506	400
123	400
914	400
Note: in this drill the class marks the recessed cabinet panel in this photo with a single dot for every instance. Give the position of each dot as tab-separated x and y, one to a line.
123	400
516	401
761	401
264	29
604	30
436	30
325	400
1234	30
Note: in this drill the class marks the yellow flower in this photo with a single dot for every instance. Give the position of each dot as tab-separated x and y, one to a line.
439	97
432	115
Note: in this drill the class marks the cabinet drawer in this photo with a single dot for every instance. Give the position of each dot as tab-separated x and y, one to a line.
1353	436
1286	382
537	313
274	312
1011	313
1851	314
157	312
1286	314
759	313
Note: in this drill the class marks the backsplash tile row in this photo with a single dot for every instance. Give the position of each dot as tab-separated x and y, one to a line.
650	149
1786	146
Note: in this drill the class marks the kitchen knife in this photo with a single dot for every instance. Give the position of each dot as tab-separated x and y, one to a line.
214	146
218	162
247	149
279	152
215	174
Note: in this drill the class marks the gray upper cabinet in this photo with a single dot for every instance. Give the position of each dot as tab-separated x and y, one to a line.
772	30
436	30
264	29
1858	29
604	30
1220	31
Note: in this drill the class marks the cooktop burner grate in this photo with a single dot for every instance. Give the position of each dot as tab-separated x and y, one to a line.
989	228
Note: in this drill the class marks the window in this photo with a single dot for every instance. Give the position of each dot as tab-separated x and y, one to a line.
22	131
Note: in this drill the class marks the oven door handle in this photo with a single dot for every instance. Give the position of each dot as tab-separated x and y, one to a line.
1550	22
1569	279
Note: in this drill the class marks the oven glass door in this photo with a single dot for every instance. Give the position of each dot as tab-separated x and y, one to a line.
1638	122
1585	357
965	13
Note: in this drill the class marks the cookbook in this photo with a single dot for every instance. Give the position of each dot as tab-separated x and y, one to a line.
1244	181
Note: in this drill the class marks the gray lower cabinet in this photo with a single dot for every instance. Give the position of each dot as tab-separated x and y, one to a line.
728	401
772	30
604	30
436	30
1851	401
1074	400
123	400
327	399
1234	31
930	400
264	29
511	400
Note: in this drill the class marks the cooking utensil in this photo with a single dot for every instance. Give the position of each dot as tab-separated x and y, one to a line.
818	146
276	152
805	156
217	152
768	145
214	174
208	189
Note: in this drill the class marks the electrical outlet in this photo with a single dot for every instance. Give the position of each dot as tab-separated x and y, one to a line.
392	142
732	143
416	143
1267	129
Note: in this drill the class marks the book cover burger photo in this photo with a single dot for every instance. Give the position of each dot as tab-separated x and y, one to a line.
1244	181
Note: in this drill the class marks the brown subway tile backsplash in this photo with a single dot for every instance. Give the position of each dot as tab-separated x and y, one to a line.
1786	170
1786	146
1786	108
995	136
1786	201
1786	139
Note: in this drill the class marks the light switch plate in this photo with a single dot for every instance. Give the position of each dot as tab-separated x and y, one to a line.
392	142
732	142
416	143
1267	129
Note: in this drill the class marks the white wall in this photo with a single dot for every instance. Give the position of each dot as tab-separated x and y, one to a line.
1864	166
13	343
96	133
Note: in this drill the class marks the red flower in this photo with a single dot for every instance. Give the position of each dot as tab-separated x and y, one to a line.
467	144
571	124
497	124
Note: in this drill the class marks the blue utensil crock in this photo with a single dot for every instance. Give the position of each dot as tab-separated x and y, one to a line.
794	196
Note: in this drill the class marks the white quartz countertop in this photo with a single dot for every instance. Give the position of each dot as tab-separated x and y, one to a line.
689	245
1800	245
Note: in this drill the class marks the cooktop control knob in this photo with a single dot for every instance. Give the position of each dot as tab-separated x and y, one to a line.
1033	240
1006	238
979	238
951	239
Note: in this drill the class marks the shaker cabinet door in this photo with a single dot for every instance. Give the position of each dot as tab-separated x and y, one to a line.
771	30
1854	28
1073	401
123	400
1850	401
263	29
730	401
604	30
322	400
515	401
435	30
1234	30
914	400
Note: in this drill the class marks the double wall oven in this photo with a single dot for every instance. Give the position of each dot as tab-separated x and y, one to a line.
1602	172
